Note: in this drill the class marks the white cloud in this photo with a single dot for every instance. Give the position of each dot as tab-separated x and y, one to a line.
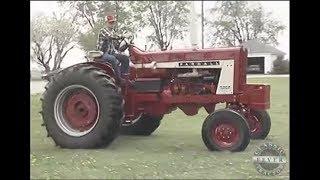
43	7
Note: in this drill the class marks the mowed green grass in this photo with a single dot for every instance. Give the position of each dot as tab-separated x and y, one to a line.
175	150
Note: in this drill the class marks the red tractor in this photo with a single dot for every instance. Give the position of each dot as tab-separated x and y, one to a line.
87	106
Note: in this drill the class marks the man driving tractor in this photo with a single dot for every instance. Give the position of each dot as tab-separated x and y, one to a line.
105	43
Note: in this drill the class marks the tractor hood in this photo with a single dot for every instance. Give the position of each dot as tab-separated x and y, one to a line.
139	56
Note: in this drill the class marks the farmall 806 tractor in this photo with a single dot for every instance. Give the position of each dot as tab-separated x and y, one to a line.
86	106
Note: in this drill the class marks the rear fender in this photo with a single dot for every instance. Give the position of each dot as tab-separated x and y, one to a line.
104	66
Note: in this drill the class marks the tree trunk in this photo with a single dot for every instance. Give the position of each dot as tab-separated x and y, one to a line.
46	68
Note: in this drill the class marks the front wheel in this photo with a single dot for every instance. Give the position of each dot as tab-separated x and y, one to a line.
225	130
260	124
259	121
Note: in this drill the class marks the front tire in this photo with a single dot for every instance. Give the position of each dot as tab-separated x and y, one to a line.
225	129
81	108
259	121
260	124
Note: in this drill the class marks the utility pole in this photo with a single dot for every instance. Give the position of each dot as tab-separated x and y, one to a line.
202	25
193	27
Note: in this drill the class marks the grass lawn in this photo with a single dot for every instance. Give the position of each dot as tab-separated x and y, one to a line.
175	150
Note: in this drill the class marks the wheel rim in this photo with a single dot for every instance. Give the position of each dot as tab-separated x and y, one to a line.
225	135
254	124
76	110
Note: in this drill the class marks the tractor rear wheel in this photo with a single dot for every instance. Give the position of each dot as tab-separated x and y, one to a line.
143	126
225	129
82	108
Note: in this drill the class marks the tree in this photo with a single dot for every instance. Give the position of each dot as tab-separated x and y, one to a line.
92	14
168	19
52	39
87	10
235	22
280	66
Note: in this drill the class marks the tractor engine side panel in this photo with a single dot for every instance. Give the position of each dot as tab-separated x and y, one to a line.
191	80
159	65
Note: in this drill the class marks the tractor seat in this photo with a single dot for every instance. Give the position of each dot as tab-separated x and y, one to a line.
94	54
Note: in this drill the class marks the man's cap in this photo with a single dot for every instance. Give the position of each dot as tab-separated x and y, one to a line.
110	18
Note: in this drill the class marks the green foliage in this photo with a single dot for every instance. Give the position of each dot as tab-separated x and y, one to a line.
40	28
93	14
87	11
168	19
280	66
88	40
235	22
51	39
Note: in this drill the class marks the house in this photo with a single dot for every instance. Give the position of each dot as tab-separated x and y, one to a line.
261	57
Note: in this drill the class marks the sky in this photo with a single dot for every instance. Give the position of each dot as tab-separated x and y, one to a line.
279	9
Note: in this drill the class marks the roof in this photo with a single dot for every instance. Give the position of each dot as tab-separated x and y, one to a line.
255	46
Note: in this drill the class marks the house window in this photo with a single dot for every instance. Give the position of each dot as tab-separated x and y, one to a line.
255	65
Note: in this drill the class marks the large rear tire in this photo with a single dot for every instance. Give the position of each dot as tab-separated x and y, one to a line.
82	108
144	126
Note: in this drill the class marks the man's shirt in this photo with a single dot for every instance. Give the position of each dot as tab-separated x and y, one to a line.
105	41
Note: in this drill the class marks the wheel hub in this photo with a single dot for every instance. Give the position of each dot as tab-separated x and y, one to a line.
76	110
80	110
225	134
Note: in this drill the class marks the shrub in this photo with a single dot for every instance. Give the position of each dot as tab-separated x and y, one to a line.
280	67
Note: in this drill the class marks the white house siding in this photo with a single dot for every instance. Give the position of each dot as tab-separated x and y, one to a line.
269	63
268	60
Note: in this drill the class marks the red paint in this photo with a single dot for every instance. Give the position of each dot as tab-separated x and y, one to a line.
81	110
209	108
190	109
256	96
225	134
